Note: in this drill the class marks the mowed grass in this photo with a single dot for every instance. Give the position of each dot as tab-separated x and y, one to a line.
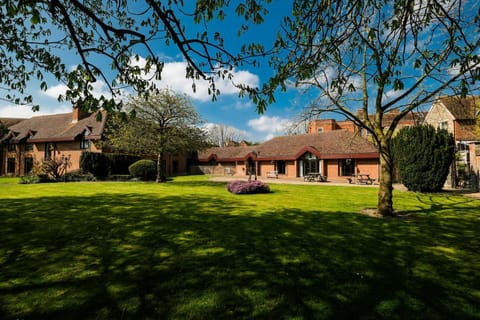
188	249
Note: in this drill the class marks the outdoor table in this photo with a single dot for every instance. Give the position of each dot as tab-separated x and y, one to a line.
364	178
314	176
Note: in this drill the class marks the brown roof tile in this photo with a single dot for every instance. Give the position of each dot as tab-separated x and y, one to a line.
327	145
225	153
58	127
334	144
461	108
8	122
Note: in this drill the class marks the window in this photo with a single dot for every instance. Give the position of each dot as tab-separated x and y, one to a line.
11	165
461	146
12	147
29	147
319	130
347	167
443	125
84	143
281	166
49	148
309	164
28	165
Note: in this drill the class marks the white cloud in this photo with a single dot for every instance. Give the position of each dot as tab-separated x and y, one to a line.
391	94
269	126
173	77
243	104
55	91
99	88
22	111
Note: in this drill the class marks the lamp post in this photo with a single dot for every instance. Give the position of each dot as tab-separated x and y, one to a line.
255	153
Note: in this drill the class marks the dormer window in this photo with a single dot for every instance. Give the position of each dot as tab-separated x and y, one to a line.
84	143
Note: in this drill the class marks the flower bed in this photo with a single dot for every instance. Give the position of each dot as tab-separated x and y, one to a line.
246	187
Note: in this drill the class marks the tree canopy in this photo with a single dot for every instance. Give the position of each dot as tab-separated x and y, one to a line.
35	34
3	129
369	59
165	123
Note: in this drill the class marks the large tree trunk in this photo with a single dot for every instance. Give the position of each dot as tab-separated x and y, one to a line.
385	191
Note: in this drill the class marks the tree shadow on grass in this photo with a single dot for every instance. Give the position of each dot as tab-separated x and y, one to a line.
187	257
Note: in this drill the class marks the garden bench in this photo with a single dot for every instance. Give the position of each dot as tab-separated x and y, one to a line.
272	174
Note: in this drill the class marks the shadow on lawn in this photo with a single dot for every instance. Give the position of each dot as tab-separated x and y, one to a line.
130	257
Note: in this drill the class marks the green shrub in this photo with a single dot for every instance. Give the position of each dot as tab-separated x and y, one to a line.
143	169
77	175
423	155
35	178
118	163
95	163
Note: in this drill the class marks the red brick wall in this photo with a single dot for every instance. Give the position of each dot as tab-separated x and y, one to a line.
368	166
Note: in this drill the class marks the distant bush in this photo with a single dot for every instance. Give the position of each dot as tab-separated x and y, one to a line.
31	178
94	162
143	169
423	155
118	163
245	187
106	164
77	175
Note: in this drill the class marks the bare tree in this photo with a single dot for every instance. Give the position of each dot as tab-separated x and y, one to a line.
222	135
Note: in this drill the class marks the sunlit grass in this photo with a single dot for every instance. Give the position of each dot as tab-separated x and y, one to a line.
9	180
188	249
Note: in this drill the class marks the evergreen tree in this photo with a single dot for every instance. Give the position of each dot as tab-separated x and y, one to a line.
423	155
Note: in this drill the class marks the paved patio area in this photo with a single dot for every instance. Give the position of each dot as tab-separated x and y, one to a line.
396	186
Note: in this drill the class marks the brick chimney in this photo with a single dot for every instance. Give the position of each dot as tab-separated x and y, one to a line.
78	114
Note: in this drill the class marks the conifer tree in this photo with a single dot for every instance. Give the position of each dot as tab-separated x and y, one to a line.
423	155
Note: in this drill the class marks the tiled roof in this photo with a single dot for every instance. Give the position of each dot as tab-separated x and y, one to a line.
225	153
411	118
10	121
461	108
58	127
328	145
467	132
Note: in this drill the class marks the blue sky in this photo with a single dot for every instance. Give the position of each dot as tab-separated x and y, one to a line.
229	109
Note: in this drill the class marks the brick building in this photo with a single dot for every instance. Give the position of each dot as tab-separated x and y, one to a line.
460	117
337	154
33	140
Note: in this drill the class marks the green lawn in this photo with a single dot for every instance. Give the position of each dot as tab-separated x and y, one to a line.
188	249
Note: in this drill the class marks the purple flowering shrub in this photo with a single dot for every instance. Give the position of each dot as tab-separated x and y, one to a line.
245	187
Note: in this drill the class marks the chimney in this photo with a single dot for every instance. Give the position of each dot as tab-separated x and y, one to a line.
78	114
